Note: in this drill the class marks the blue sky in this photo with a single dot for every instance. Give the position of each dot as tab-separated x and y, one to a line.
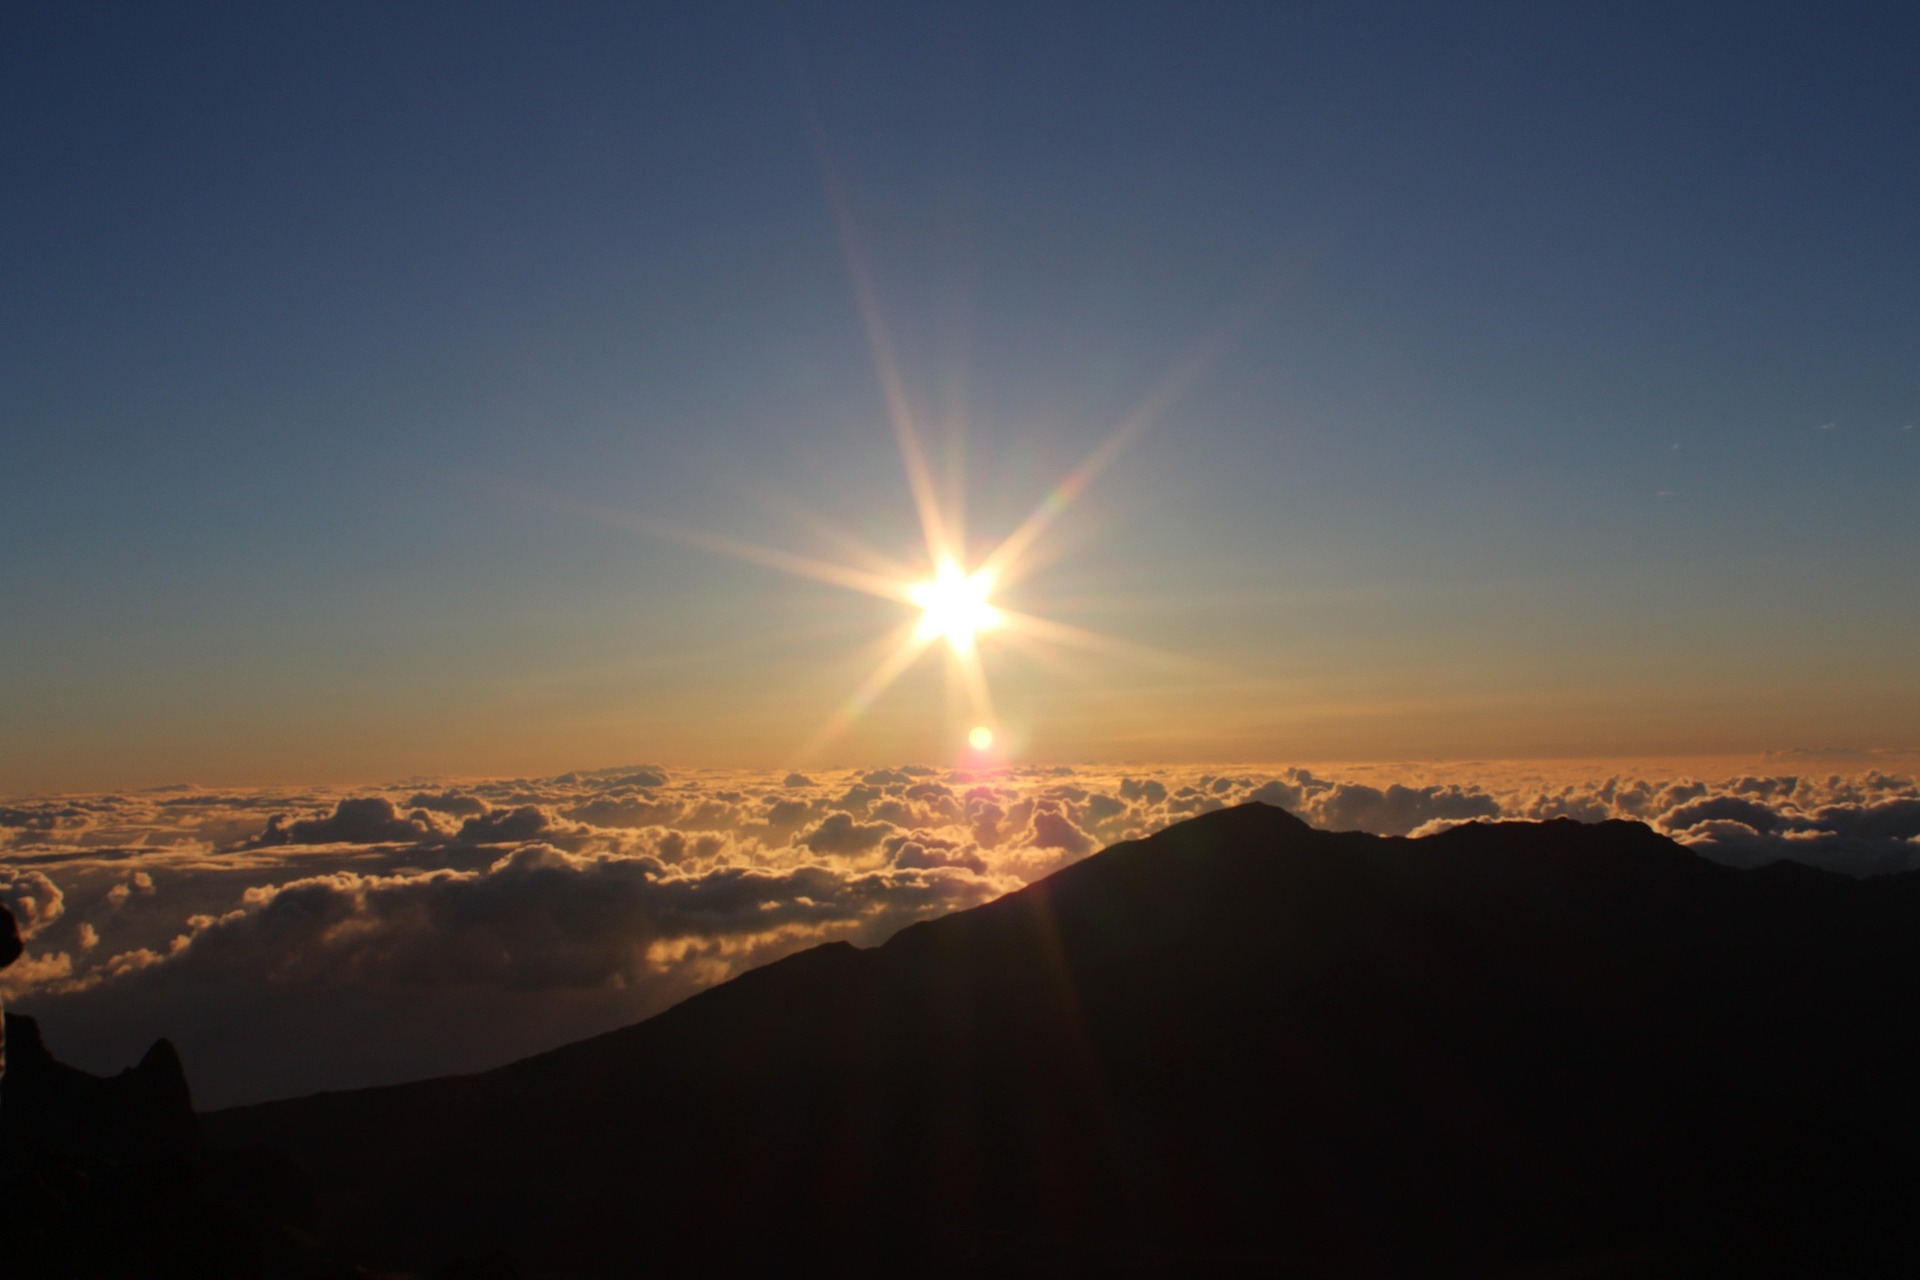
1565	409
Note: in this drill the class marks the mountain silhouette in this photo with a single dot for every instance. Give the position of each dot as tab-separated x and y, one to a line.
1239	1045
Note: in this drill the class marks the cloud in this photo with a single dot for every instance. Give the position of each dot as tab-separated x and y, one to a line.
1397	810
138	882
35	900
784	815
1895	819
1053	828
625	811
538	917
1739	845
839	832
48	970
927	850
454	803
514	826
47	817
358	820
1730	808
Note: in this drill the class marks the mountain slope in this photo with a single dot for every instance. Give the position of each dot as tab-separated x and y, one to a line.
1239	1042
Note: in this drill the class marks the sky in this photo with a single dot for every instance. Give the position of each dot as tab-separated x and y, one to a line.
389	390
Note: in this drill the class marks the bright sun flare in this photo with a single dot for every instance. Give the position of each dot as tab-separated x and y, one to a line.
954	605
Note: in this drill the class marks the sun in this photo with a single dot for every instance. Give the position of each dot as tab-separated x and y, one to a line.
954	605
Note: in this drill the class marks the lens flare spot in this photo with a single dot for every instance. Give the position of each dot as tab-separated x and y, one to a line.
980	737
954	605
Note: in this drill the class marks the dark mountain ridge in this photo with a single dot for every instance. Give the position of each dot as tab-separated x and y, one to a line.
1241	1043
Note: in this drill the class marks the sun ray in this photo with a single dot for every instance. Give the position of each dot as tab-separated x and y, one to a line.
955	438
824	571
973	677
907	648
887	585
1061	633
953	686
1053	659
857	550
913	454
1006	560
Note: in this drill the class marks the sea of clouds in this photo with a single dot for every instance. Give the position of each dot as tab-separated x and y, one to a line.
294	940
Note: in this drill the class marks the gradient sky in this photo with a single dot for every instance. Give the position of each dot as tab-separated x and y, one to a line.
1559	401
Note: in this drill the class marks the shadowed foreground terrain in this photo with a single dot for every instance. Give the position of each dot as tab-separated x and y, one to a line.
1546	1049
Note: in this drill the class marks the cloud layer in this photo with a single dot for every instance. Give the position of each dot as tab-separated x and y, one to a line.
294	940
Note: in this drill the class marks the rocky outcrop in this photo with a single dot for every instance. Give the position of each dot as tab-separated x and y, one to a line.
143	1115
99	1172
105	1177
